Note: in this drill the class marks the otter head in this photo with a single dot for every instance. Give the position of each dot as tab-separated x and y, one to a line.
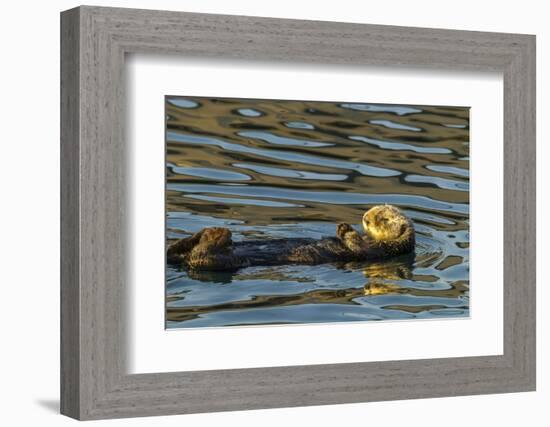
385	222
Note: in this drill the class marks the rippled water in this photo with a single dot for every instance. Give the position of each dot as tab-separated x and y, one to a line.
271	169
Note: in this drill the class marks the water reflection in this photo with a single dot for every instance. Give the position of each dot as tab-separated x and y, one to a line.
274	169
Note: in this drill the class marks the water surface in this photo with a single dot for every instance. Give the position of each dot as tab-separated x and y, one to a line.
270	169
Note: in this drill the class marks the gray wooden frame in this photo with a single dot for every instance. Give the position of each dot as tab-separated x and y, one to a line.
94	382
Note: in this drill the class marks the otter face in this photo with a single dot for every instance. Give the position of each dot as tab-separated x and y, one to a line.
385	222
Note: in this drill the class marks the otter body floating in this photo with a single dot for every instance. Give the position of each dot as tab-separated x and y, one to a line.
387	233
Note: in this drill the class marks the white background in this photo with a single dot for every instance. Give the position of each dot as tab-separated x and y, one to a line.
29	175
152	349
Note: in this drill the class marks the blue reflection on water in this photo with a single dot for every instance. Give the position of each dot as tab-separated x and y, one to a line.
183	103
393	125
249	112
400	146
281	140
283	155
395	109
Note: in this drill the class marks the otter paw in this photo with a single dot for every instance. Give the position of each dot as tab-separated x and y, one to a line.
342	229
215	238
184	245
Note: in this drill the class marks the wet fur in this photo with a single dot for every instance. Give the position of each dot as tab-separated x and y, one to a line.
387	233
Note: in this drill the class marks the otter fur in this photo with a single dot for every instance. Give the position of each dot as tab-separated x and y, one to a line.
387	233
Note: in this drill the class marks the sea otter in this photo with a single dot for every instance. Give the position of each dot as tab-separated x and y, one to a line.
388	233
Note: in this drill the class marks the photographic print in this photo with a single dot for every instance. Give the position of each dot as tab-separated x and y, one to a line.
298	211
